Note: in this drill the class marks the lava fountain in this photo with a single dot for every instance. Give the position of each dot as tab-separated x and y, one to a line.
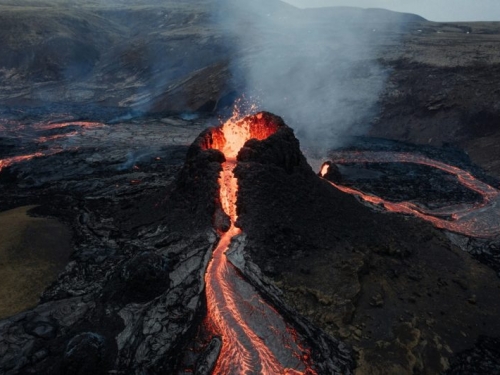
255	338
478	220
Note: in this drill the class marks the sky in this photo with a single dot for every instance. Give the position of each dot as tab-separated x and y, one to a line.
433	10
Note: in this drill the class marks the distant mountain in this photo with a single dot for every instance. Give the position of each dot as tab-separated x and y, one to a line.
354	14
341	13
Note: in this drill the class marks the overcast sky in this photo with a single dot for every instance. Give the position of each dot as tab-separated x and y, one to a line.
434	10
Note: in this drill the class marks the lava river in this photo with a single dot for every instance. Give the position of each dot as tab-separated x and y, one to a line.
255	338
474	220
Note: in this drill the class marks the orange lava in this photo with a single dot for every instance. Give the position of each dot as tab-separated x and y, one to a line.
81	124
324	169
477	220
17	159
237	131
60	125
244	351
55	137
19	130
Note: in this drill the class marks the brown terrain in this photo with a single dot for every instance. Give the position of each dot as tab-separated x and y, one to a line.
33	252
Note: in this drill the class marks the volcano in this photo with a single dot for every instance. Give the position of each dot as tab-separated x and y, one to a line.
232	255
255	338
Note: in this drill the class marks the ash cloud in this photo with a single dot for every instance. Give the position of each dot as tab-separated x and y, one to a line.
317	69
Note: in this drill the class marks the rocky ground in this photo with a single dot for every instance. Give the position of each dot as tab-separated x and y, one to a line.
134	282
131	299
443	89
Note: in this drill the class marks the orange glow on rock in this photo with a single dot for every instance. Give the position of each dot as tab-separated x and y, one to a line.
19	130
17	159
60	125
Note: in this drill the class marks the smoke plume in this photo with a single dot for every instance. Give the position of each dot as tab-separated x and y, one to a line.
317	69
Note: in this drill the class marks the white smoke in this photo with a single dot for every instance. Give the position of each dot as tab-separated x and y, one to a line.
316	69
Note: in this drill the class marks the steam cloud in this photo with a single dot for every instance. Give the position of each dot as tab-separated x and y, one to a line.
318	71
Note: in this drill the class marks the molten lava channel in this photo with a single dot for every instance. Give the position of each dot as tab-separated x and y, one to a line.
478	220
255	338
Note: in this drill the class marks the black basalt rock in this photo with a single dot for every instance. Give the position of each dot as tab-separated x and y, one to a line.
197	184
132	295
84	355
145	272
483	358
140	279
42	327
281	149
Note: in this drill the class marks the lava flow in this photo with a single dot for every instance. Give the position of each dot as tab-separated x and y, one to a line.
477	220
4	163
31	133
79	126
256	339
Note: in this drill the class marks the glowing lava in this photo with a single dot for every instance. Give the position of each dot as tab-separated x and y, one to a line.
474	220
324	169
30	133
61	125
17	159
256	339
83	125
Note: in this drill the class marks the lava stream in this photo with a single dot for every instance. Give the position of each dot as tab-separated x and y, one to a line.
4	163
30	133
60	125
255	338
481	220
466	178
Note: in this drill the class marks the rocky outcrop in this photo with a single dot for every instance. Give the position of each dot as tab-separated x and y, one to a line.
482	359
279	150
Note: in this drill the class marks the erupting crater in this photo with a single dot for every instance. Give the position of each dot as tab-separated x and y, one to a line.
255	338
